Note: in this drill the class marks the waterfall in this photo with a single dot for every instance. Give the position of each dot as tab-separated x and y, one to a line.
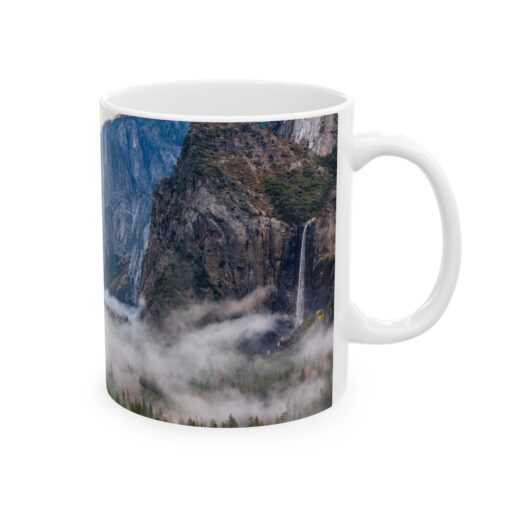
300	298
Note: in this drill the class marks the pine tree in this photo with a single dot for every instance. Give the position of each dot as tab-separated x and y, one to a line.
255	422
282	418
232	423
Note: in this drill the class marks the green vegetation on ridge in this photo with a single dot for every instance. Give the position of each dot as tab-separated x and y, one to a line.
298	196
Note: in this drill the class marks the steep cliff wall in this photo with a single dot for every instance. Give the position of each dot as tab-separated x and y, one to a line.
230	217
318	133
136	153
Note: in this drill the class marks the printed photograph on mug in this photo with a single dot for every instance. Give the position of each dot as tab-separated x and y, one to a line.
219	252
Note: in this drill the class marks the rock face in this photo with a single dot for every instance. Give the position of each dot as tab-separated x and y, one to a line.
322	261
230	219
318	133
136	153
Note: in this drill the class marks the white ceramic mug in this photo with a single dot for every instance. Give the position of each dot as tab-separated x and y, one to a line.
226	210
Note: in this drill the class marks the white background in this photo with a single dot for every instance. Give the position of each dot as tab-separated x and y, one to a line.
423	424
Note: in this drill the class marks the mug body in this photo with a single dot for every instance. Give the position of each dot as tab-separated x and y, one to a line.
226	250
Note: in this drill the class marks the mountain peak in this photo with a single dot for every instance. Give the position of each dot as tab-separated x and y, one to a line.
227	221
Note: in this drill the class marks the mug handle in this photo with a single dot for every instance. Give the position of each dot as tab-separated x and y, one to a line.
369	330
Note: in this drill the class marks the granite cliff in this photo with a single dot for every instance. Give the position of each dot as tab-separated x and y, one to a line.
136	154
319	134
230	218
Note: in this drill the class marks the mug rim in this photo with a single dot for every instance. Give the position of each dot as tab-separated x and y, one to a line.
123	101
